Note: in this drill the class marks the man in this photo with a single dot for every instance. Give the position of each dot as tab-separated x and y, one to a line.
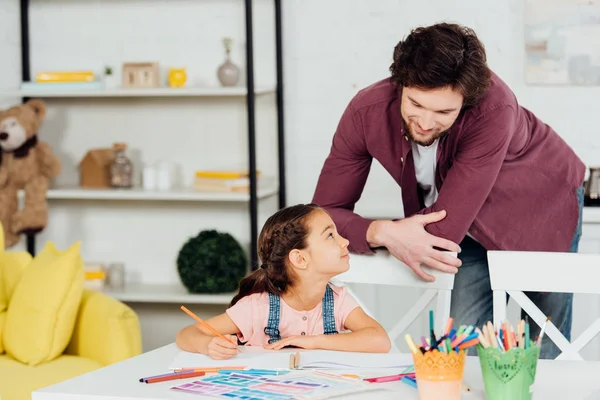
475	169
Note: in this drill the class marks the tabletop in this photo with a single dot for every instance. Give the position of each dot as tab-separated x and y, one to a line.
554	379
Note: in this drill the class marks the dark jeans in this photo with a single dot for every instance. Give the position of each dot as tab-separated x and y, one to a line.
472	293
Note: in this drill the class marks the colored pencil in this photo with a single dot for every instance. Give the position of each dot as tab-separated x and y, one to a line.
175	376
538	342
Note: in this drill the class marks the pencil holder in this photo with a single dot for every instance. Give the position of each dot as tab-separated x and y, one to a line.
439	374
508	374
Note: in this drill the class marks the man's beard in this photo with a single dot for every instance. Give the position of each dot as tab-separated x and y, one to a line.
416	138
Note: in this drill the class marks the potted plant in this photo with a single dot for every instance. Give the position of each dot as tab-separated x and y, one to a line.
211	262
110	81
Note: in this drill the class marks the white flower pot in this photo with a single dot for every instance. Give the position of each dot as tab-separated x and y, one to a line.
110	82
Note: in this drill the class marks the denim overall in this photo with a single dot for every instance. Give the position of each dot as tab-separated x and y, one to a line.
272	328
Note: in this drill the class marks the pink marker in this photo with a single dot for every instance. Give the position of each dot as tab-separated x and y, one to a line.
390	378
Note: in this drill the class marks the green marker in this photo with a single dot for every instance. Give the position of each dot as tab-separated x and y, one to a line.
526	332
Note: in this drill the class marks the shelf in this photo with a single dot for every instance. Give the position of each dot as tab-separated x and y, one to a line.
236	91
162	293
591	215
182	194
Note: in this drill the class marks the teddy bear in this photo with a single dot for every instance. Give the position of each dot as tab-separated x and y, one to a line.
25	164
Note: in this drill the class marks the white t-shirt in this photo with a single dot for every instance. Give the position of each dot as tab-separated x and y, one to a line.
425	159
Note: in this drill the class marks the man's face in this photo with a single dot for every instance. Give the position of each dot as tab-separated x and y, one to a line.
428	114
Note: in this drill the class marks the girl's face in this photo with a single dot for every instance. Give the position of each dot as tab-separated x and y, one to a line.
327	251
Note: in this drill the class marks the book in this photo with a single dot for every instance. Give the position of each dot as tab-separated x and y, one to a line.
241	185
224	174
65	76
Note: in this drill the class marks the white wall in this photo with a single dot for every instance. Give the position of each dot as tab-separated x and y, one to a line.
332	49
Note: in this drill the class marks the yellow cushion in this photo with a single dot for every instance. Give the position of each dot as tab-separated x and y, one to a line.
107	330
43	308
2	322
3	304
3	297
12	265
18	380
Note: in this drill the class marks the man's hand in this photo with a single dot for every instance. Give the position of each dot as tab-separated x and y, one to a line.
304	342
219	349
408	241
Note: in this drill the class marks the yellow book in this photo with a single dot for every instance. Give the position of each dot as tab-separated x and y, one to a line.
91	275
72	76
215	174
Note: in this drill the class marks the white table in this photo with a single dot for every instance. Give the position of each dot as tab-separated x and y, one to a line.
554	380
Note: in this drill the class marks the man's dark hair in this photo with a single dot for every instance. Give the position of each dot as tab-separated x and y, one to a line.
442	55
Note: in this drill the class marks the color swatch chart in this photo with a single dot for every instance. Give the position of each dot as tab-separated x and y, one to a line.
249	387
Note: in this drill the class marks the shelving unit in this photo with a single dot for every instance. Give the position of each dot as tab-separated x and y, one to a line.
175	194
250	91
156	293
156	92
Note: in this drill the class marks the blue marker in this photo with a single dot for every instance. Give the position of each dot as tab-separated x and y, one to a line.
409	381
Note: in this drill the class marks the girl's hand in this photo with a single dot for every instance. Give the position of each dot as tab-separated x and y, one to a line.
219	349
304	342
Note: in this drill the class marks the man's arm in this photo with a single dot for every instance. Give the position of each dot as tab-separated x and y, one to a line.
473	173
340	186
343	178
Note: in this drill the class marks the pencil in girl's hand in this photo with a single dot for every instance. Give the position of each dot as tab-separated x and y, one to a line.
207	326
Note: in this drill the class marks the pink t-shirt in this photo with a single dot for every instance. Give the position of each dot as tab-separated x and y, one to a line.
251	314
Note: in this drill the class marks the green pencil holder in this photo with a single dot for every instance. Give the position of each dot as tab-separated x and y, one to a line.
508	374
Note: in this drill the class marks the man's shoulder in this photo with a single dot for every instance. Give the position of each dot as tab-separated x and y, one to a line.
498	95
377	93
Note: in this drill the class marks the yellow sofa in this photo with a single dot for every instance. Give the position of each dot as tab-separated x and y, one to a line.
106	331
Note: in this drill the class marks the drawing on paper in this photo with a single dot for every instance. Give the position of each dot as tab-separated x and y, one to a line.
240	386
562	42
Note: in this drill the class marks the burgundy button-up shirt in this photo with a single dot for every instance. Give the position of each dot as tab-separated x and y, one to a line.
503	175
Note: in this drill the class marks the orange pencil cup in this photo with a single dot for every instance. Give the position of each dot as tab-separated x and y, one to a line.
439	374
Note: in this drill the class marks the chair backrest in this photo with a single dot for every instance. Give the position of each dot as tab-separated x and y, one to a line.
382	268
515	272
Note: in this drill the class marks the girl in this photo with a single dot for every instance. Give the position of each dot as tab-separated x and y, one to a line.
289	301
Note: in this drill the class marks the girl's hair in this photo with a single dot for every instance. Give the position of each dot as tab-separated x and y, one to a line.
283	232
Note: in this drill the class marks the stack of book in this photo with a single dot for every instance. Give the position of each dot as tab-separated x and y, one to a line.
224	180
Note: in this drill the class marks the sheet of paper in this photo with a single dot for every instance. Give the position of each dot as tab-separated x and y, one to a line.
251	357
341	360
305	386
257	357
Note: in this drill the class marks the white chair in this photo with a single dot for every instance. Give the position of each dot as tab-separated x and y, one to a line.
515	272
384	269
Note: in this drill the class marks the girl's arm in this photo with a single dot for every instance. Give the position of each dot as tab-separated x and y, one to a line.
367	336
196	338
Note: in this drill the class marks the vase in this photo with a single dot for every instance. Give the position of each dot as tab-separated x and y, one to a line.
228	73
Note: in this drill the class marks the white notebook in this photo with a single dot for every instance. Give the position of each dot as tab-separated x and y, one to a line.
257	357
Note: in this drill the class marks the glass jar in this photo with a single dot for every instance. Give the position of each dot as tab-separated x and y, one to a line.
116	275
121	168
